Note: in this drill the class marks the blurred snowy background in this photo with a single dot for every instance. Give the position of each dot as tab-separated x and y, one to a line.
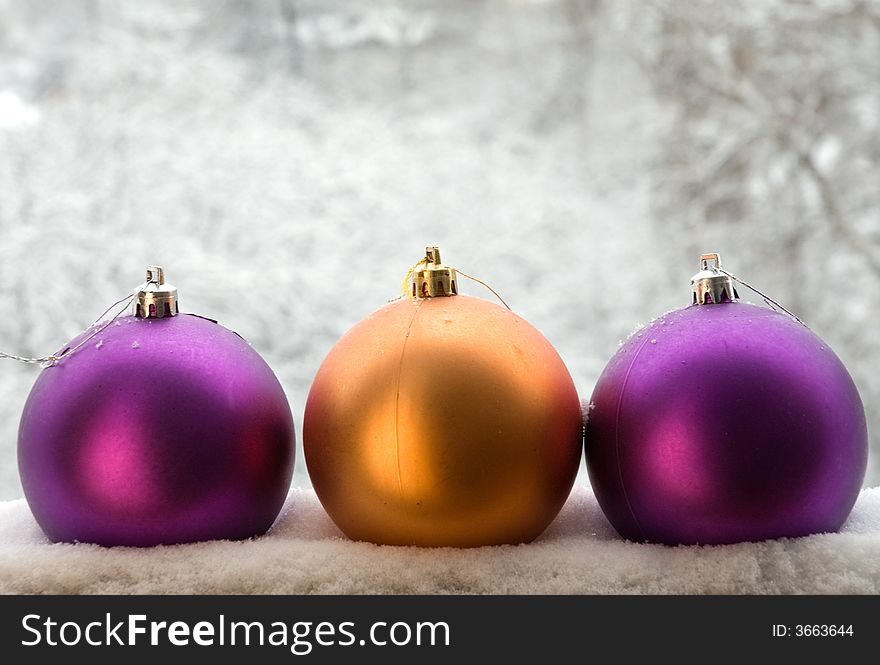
258	150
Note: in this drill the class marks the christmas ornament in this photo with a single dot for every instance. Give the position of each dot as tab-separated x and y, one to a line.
725	422
442	420
156	427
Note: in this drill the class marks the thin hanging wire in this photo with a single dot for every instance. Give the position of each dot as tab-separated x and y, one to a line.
772	304
480	281
404	289
48	361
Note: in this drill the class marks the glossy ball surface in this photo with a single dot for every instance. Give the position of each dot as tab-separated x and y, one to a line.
725	423
156	431
443	421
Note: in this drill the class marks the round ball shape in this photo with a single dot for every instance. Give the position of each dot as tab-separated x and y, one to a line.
156	431
443	422
725	423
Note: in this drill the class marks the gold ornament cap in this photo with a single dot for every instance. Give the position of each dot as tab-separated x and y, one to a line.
712	285
434	279
154	298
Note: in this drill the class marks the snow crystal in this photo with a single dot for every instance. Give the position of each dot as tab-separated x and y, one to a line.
135	345
587	408
99	344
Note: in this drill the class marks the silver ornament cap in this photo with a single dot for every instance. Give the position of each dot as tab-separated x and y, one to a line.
154	298
711	285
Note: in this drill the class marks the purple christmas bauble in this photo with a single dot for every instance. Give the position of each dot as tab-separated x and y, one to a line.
723	423
156	431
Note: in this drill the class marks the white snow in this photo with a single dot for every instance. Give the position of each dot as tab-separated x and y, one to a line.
579	553
15	113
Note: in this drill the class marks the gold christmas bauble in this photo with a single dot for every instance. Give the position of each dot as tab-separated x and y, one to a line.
443	421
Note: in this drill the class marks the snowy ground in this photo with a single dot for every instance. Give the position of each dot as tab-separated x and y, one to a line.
259	157
579	553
